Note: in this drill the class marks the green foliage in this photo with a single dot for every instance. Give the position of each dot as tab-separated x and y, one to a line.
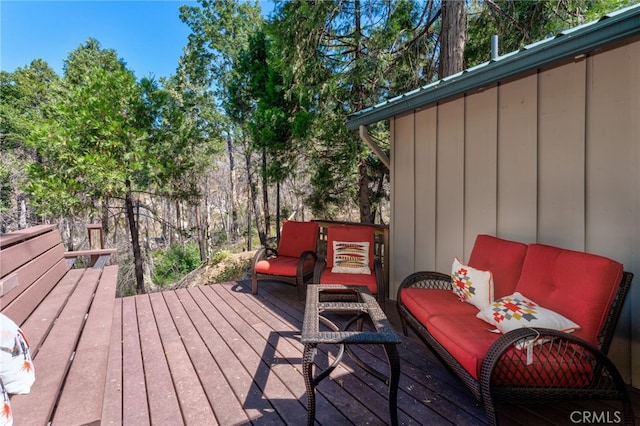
518	23
274	118
219	256
174	263
93	145
352	55
26	96
5	189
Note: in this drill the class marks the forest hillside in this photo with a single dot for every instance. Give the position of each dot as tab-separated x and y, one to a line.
183	170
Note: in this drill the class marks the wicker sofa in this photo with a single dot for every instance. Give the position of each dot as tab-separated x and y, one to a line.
523	364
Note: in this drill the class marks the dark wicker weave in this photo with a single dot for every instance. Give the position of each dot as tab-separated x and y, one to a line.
299	280
596	377
361	303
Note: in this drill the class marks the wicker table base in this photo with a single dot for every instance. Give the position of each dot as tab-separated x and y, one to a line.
361	302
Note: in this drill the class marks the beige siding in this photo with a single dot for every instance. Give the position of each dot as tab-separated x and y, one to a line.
561	156
404	188
551	157
613	178
481	171
517	160
425	166
450	183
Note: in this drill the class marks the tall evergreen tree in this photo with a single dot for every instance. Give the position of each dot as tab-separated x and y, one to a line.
25	94
220	30
105	139
343	56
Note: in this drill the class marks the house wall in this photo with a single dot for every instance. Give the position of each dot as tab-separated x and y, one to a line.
552	157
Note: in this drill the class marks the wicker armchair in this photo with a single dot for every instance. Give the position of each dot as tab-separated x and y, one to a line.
292	262
565	367
373	277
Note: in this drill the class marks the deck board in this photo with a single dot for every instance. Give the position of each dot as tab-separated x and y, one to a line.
218	355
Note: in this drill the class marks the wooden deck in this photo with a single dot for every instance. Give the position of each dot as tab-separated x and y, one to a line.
218	355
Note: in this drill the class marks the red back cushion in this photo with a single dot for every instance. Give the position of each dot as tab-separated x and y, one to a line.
503	258
349	233
580	286
297	237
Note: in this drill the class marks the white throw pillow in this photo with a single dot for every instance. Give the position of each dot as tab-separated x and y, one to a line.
16	367
472	285
516	311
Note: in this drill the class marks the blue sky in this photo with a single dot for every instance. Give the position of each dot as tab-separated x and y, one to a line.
147	35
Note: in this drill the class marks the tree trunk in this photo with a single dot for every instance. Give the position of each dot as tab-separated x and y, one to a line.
201	237
249	243
253	195
265	196
233	228
179	222
135	242
363	195
105	217
278	211
364	200
452	37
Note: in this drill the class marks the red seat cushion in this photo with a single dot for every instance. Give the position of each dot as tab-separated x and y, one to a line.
465	337
283	265
297	237
503	258
369	280
425	303
468	340
578	285
350	233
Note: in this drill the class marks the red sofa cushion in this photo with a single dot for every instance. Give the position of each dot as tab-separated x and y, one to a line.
349	233
465	337
425	303
468	340
578	285
369	280
283	265
503	258
297	237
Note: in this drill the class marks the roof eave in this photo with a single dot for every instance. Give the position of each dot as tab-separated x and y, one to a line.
607	31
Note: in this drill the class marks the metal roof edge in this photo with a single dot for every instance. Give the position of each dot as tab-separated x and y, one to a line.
609	29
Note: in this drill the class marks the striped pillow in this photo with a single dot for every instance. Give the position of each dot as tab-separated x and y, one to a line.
351	257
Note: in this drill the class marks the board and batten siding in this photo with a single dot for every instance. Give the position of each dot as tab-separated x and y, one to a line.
552	157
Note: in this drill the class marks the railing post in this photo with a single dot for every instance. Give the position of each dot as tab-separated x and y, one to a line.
96	240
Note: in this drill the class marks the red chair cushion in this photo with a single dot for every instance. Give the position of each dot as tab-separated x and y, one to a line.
369	280
353	234
503	258
282	265
578	285
297	237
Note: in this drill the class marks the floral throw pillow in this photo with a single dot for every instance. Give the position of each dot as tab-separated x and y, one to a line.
351	257
6	417
516	311
472	285
16	367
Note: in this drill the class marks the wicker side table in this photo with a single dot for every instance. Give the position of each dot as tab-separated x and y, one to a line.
362	304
